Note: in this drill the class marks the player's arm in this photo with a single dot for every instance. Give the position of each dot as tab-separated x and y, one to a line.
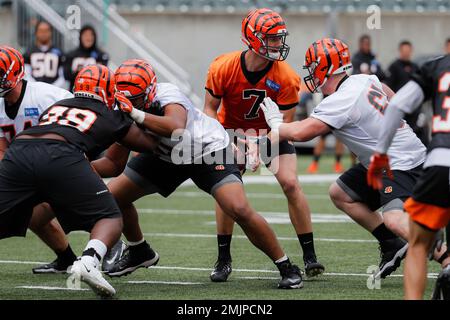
175	117
406	100
212	104
113	162
138	140
304	130
3	146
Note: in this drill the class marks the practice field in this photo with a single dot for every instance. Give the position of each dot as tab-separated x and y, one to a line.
182	229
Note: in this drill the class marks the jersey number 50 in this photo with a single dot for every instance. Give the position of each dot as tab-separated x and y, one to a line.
440	124
80	119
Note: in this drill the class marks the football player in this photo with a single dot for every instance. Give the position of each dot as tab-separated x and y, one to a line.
236	84
352	111
48	162
203	154
43	61
429	205
21	104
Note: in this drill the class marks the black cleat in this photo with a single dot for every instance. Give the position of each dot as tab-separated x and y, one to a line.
113	255
140	256
291	277
442	287
221	272
56	266
313	267
392	252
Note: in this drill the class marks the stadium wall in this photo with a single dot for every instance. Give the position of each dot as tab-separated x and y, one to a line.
194	40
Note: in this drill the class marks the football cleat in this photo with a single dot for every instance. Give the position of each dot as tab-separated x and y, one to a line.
313	167
89	274
221	272
442	287
291	277
313	267
338	168
134	257
113	255
57	266
392	252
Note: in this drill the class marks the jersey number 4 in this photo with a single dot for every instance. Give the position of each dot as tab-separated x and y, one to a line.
440	124
80	119
253	93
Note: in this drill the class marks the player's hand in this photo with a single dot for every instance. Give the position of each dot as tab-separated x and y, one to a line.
252	162
274	117
379	163
123	103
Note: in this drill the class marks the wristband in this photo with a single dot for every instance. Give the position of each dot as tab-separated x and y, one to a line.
137	115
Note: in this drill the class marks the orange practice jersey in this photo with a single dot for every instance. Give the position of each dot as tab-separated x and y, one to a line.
242	92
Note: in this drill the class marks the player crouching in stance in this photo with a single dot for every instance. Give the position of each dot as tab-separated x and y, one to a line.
353	111
429	205
163	110
48	163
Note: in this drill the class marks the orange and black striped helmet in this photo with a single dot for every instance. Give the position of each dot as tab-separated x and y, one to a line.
12	69
264	32
324	58
136	79
96	82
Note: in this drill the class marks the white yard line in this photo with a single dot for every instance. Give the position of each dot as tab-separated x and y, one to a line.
430	275
52	288
166	282
199	235
254	195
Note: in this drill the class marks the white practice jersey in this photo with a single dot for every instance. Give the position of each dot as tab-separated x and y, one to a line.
37	98
202	136
355	112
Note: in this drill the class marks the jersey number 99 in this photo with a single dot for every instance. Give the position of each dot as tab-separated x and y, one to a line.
80	119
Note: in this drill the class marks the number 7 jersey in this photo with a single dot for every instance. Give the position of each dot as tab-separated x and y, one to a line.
35	98
241	92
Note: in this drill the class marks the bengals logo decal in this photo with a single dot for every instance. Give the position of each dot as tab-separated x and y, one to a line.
220	167
388	189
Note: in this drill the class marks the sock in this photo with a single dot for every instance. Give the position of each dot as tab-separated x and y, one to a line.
282	259
307	244
443	257
447	237
382	233
67	255
131	243
338	158
224	244
316	158
94	252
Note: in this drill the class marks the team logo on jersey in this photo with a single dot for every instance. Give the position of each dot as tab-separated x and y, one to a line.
273	85
220	167
31	112
388	189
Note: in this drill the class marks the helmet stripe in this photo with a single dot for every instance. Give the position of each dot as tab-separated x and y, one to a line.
337	51
327	54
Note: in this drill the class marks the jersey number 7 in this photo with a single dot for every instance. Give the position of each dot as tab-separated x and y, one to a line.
250	93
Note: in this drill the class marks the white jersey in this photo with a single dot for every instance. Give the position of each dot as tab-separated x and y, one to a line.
355	112
202	135
37	98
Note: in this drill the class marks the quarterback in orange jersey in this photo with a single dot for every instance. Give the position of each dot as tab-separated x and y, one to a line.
236	85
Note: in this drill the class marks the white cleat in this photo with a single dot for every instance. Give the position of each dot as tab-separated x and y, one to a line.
90	275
